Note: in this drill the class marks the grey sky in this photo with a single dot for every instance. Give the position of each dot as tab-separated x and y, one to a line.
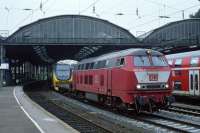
13	15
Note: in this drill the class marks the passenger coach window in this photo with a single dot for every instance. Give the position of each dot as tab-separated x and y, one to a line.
141	61
178	62
194	61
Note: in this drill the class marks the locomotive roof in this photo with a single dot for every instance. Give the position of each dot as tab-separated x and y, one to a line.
132	51
182	55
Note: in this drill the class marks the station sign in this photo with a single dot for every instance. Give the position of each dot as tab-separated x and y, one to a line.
4	66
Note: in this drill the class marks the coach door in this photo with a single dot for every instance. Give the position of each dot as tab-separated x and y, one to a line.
109	83
194	82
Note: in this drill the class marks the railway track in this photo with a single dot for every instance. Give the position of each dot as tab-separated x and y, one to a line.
170	123
87	126
79	123
185	110
166	122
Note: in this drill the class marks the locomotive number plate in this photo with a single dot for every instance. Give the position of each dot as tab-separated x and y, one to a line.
153	77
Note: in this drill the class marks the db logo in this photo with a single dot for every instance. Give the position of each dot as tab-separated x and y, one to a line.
153	77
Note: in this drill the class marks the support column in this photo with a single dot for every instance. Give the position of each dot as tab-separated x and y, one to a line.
2	56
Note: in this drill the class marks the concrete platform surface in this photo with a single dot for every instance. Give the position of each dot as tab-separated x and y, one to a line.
19	114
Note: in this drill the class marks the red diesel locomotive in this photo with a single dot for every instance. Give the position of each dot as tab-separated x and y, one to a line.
129	79
185	73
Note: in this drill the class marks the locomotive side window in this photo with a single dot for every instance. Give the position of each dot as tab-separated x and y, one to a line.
79	67
92	65
101	64
111	63
178	62
194	61
159	61
95	65
90	79
87	66
141	61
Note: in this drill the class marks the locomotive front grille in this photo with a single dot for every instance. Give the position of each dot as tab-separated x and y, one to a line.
152	86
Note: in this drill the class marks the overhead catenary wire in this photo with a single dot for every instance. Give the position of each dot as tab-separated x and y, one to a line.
91	5
160	4
170	14
29	15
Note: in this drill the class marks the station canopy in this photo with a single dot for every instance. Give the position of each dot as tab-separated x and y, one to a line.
175	37
67	37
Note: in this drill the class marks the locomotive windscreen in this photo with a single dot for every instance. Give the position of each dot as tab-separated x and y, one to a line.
150	61
63	71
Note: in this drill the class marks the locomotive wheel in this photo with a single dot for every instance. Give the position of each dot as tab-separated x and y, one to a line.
137	107
150	107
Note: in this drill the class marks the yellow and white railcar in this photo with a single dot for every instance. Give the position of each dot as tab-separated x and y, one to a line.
62	75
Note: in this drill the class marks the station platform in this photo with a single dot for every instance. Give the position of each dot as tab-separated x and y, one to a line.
19	114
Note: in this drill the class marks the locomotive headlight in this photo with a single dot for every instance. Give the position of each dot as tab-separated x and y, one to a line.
138	86
166	86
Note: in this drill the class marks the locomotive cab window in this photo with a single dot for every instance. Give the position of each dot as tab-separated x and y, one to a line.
141	61
150	61
95	65
178	62
120	62
194	61
159	61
